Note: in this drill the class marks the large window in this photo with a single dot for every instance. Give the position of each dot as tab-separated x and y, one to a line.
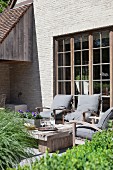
83	66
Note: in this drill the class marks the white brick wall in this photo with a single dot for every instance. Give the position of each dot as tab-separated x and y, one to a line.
57	17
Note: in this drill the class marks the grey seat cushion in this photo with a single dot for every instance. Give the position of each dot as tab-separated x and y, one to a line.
61	100
88	102
103	122
85	103
47	114
85	132
77	115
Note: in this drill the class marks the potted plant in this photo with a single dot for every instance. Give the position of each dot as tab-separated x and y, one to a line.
32	118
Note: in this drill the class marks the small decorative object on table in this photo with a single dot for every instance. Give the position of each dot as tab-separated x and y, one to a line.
47	128
48	124
32	118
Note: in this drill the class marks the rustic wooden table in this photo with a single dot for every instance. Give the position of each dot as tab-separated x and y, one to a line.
54	140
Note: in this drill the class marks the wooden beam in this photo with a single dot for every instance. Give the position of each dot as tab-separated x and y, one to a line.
56	64
111	68
90	64
72	71
72	65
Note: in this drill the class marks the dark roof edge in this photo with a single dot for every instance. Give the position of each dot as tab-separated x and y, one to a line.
23	3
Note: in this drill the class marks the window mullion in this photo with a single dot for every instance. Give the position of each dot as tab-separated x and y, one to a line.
72	65
111	68
90	64
56	61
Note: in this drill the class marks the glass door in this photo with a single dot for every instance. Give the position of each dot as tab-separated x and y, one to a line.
101	67
81	66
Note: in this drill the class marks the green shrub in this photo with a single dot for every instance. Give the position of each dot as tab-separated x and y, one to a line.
97	154
3	5
14	140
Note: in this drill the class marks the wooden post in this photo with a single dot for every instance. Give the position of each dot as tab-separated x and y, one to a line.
90	64
111	68
74	133
56	64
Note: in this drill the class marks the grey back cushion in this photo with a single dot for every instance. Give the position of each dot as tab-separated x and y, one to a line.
103	122
88	102
61	100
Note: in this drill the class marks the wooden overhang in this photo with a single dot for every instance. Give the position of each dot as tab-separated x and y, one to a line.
16	34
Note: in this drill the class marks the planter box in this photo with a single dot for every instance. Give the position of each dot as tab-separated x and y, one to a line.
16	107
35	122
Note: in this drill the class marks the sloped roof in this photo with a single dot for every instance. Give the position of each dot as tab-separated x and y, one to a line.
9	18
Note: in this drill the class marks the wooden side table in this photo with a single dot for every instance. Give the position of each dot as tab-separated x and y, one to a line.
54	140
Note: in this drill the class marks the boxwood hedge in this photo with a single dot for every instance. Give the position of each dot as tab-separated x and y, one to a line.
97	154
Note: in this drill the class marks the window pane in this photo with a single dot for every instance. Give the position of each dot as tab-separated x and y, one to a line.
67	59
96	40
96	72
67	44
60	45
85	87
85	73
106	88
77	58
105	39
85	42
96	56
105	55
64	87
77	73
60	74
85	57
68	74
64	73
77	87
105	72
60	59
60	88
68	87
96	87
77	44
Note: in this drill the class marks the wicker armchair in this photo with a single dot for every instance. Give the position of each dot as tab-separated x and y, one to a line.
83	130
60	105
88	105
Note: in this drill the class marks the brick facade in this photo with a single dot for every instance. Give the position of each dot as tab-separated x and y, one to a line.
52	18
58	17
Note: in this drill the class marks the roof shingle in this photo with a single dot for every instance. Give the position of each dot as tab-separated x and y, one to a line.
9	18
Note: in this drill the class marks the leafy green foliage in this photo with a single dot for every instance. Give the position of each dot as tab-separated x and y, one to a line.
97	154
29	115
14	140
3	5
